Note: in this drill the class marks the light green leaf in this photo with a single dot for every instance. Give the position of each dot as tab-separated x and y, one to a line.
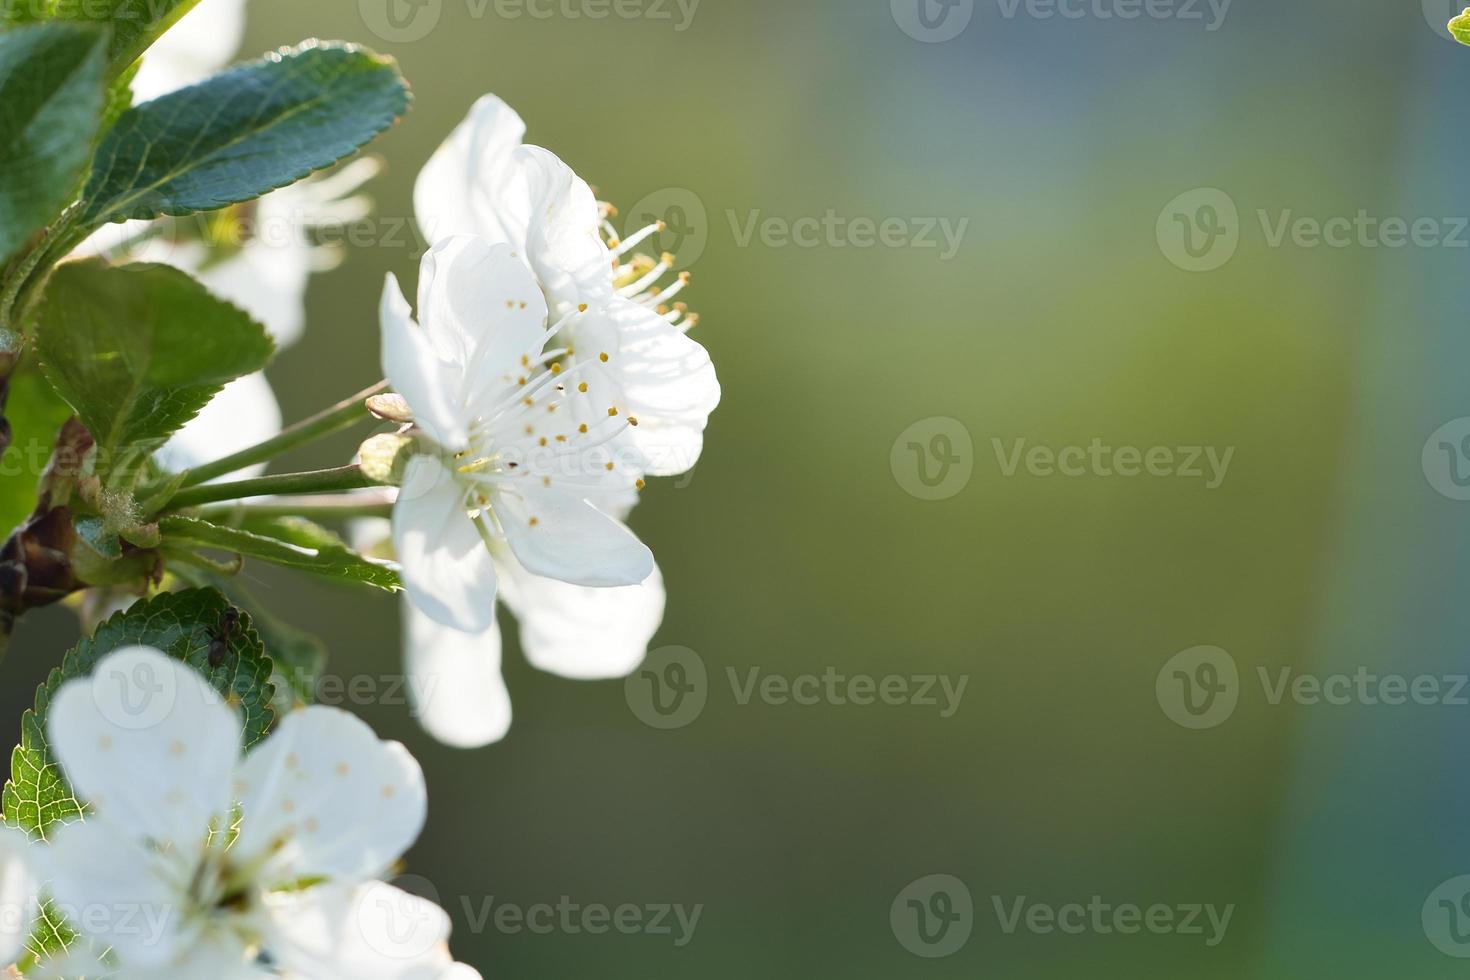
135	24
180	624
51	99
1460	27
138	350
35	413
289	542
243	133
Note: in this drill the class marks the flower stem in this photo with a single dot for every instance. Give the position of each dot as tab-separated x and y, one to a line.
342	415
324	507
315	481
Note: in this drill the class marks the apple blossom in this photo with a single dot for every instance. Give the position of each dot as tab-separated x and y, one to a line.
196	861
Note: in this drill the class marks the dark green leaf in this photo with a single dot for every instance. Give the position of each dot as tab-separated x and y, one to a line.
51	99
290	542
243	133
138	350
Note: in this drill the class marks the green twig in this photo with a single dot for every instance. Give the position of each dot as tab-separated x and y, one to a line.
342	415
317	481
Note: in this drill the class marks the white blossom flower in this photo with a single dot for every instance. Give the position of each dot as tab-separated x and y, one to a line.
18	887
195	861
514	442
484	182
200	44
572	631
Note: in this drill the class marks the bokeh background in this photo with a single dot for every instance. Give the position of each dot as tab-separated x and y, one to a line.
796	546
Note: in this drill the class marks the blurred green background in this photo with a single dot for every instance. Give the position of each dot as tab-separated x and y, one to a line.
795	546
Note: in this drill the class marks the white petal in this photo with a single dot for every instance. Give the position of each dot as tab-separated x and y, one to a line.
563	230
482	309
418	373
562	537
462	173
580	632
120	891
18	887
244	413
328	798
267	280
148	744
454	679
373	930
445	566
199	45
666	380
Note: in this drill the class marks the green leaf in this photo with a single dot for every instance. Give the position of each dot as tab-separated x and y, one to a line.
289	542
243	133
299	657
138	350
51	99
136	24
180	624
35	413
1460	27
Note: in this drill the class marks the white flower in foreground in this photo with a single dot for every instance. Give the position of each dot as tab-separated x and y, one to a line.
514	444
18	888
484	182
200	44
321	809
568	630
